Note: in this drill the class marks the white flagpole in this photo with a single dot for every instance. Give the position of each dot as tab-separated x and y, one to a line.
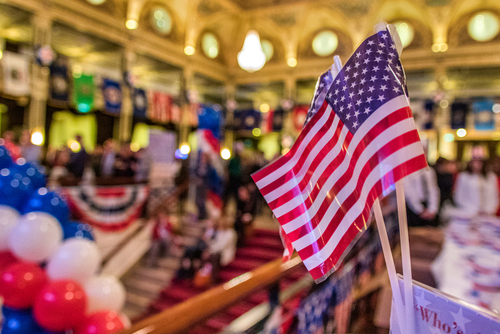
384	239
403	225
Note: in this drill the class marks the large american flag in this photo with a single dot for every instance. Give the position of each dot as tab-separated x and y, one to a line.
354	148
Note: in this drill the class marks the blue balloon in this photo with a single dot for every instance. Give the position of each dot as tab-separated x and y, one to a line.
19	322
34	172
50	202
77	230
5	158
15	188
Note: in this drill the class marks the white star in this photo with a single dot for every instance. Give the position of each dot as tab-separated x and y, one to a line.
348	116
389	61
373	79
336	101
385	78
351	94
380	52
349	106
366	61
336	91
355	75
330	95
360	91
342	98
356	64
358	54
369	99
344	88
381	98
421	301
383	88
393	46
391	54
371	89
348	68
370	42
341	108
353	85
358	102
321	85
362	81
346	77
375	68
377	59
384	36
368	51
398	67
367	111
460	319
381	44
355	125
388	68
396	89
338	81
356	113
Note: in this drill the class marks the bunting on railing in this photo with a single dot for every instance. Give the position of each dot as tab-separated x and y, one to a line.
107	208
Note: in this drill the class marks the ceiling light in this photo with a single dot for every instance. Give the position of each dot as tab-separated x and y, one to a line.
264	107
461	133
37	138
131	24
189	50
251	58
225	154
185	149
292	62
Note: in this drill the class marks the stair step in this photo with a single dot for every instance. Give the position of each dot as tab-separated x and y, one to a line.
219	322
245	264
138	300
155	274
169	263
269	233
265	242
259	253
144	285
132	311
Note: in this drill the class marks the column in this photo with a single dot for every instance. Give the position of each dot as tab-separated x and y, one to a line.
186	86
126	115
230	106
35	120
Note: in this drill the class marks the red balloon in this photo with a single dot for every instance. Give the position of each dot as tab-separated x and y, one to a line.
6	259
20	283
60	305
103	322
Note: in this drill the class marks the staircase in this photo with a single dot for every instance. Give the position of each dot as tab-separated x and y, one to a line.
144	284
264	246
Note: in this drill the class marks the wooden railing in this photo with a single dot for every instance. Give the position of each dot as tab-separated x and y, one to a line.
180	318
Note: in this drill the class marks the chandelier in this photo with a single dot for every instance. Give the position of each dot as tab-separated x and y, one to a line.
251	58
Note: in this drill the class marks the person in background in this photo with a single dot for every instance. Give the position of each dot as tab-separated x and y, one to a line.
30	152
182	183
107	159
58	170
163	234
95	160
142	165
9	143
476	190
202	175
422	198
234	177
78	160
125	162
445	180
222	248
246	207
496	170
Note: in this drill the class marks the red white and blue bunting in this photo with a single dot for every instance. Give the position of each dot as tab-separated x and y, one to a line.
107	208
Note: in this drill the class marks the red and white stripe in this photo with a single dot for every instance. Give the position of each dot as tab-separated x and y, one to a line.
323	189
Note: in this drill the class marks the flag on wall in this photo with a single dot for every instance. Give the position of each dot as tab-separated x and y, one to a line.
16	75
358	144
83	93
459	113
59	80
112	94
483	115
209	117
140	101
266	121
160	106
247	119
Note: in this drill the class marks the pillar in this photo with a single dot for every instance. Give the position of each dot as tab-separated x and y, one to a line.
230	106
126	115
35	121
186	86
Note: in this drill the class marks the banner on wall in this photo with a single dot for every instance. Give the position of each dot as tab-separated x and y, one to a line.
16	74
483	115
140	101
59	80
162	108
436	312
299	116
107	208
83	93
209	117
112	94
459	111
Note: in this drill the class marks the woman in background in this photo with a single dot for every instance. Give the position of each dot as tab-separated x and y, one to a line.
476	190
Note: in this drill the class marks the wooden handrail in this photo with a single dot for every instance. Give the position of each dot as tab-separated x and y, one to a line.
193	311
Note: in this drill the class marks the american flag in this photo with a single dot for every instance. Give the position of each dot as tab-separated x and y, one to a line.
355	147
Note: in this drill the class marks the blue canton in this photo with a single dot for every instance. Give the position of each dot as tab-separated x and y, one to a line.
322	86
371	77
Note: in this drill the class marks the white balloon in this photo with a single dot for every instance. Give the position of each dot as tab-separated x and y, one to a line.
36	237
8	219
77	259
104	292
